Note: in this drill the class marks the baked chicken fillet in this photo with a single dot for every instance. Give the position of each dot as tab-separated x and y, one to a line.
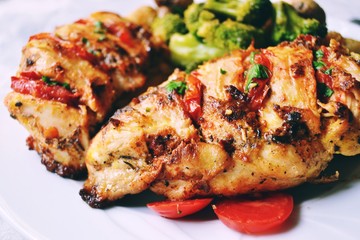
68	81
255	120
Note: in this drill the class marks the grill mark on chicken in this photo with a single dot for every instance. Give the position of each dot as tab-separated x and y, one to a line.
160	144
298	69
93	199
228	146
29	62
236	94
343	112
294	127
115	122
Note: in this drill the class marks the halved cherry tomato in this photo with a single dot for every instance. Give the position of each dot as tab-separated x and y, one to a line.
254	215
179	209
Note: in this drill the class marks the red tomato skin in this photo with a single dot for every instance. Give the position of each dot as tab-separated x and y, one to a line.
255	216
123	33
258	94
193	97
179	209
39	89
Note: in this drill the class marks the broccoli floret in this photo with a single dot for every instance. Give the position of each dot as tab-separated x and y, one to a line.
209	37
196	17
288	24
232	35
165	26
192	15
228	34
253	12
188	52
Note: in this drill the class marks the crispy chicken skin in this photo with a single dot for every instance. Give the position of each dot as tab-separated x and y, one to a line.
232	130
68	81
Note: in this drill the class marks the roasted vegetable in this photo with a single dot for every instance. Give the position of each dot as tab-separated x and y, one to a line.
253	12
196	17
188	52
211	36
231	35
165	26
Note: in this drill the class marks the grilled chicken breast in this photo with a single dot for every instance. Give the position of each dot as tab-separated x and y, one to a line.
255	120
68	82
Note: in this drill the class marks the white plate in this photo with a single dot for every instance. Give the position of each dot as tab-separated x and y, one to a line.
44	206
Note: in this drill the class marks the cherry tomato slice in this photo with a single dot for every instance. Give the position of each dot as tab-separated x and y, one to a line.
39	89
179	209
255	215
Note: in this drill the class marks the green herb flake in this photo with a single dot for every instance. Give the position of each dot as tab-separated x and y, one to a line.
318	65
319	54
84	40
328	71
223	71
257	71
99	27
98	24
252	56
102	38
324	90
46	79
177	86
50	82
252	85
95	52
66	85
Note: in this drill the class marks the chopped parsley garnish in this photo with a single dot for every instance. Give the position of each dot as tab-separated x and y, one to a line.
99	27
102	38
95	52
223	71
51	82
319	54
252	56
324	90
319	64
328	71
84	40
177	86
257	71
